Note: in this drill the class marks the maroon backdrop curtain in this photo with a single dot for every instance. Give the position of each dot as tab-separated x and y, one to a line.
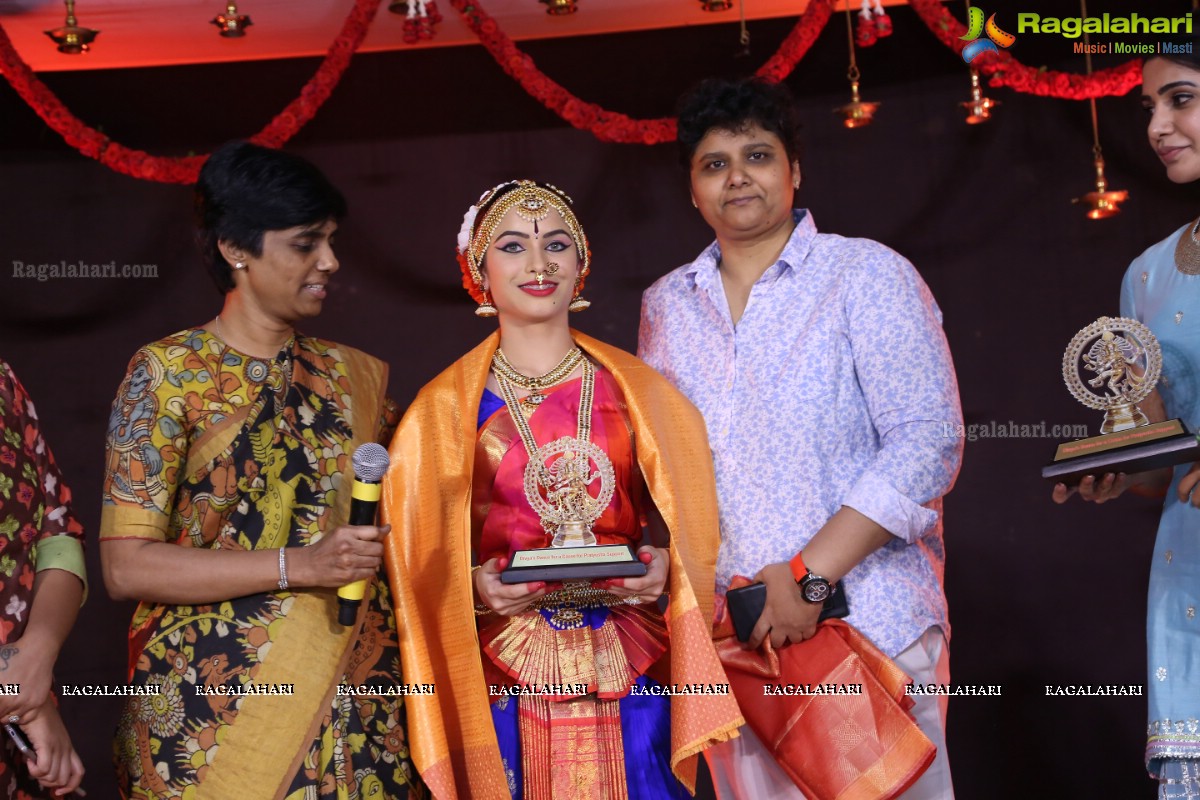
1035	590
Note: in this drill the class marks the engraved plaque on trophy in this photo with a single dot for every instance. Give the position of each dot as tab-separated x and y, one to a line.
1111	366
558	483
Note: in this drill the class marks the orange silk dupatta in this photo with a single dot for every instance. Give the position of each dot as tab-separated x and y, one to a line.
427	499
862	746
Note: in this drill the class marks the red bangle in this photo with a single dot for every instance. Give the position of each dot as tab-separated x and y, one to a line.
799	571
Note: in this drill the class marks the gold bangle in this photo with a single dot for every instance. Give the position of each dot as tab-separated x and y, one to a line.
481	610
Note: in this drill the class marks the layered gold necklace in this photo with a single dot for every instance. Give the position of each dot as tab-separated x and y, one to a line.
558	474
534	385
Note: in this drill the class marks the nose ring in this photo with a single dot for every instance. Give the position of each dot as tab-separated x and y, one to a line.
551	268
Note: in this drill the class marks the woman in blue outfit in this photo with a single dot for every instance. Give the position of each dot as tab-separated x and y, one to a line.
1162	290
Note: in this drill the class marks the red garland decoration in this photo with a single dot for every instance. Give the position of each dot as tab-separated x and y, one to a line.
610	126
1004	70
139	164
797	43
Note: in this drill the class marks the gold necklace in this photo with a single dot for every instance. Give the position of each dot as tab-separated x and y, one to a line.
558	474
535	384
1187	250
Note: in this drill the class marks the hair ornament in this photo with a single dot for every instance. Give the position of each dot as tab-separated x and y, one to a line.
468	223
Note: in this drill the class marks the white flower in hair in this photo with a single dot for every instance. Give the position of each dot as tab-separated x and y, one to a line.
464	233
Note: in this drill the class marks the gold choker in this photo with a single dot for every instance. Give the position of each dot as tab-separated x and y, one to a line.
534	385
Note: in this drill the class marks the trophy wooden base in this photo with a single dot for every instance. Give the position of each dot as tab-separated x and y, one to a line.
554	564
1140	449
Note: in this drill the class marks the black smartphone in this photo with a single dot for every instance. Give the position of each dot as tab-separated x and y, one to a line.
746	606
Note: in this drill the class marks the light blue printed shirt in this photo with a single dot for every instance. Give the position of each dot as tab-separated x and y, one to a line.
835	389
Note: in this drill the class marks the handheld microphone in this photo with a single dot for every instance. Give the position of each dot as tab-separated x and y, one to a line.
370	462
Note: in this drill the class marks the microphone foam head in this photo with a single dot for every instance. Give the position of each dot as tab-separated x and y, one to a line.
370	461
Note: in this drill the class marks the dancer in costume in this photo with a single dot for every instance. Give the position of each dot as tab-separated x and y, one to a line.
551	691
225	500
42	584
821	369
1161	289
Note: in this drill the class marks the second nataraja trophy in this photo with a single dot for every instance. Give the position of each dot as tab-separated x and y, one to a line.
1111	366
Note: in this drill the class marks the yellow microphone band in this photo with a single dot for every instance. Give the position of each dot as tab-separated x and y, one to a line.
370	492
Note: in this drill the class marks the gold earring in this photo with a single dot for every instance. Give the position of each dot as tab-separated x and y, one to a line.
578	303
486	309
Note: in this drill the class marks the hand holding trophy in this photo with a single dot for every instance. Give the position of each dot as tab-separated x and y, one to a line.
1111	366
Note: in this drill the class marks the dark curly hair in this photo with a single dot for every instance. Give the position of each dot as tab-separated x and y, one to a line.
245	190
734	105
